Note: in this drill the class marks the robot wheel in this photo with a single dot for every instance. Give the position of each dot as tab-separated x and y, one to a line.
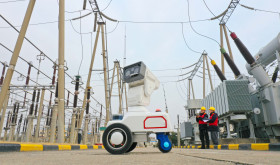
164	144
117	139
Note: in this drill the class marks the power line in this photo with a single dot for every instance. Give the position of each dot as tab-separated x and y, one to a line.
107	5
251	8
195	30
133	22
12	1
186	41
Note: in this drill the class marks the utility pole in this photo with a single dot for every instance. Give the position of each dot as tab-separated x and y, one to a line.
19	126
73	121
107	99
178	132
7	126
4	112
14	58
222	45
166	109
204	90
39	115
89	75
209	73
13	123
30	118
61	73
120	89
54	117
87	117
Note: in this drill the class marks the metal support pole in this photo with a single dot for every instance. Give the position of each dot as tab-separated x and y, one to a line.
228	128
18	127
252	130
89	75
13	124
53	122
10	71
105	76
209	73
72	131
228	44
4	112
85	139
112	81
178	132
61	74
204	77
222	45
119	87
189	92
87	117
39	116
125	92
30	118
192	90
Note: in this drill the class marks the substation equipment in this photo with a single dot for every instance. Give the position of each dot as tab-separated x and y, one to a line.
250	104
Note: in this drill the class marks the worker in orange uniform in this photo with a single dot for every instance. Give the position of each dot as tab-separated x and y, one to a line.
213	126
203	129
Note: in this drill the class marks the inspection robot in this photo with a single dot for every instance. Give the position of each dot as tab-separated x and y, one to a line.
122	136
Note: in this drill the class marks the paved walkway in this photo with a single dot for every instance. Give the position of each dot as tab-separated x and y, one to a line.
145	156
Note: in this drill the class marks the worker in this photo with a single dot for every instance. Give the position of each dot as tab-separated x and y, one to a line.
213	126
203	129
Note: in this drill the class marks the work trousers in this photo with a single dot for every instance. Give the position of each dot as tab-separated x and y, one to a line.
204	137
215	137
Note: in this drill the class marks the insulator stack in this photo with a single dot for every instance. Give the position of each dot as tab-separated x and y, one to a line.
27	83
56	90
230	62
54	73
77	84
14	113
243	50
68	96
32	104
50	102
24	123
17	112
218	71
19	123
3	73
48	117
37	102
275	75
88	100
8	119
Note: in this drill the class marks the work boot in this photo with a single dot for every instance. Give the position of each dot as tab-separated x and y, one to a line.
202	147
207	147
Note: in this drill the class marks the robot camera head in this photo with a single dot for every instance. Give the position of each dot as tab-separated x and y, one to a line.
134	72
142	82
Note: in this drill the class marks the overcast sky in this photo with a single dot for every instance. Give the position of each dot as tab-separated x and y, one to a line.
159	46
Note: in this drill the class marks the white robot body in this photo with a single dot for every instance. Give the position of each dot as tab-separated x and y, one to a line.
140	120
138	123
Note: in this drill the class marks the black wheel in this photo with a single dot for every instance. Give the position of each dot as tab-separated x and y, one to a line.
164	143
132	147
117	139
162	148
